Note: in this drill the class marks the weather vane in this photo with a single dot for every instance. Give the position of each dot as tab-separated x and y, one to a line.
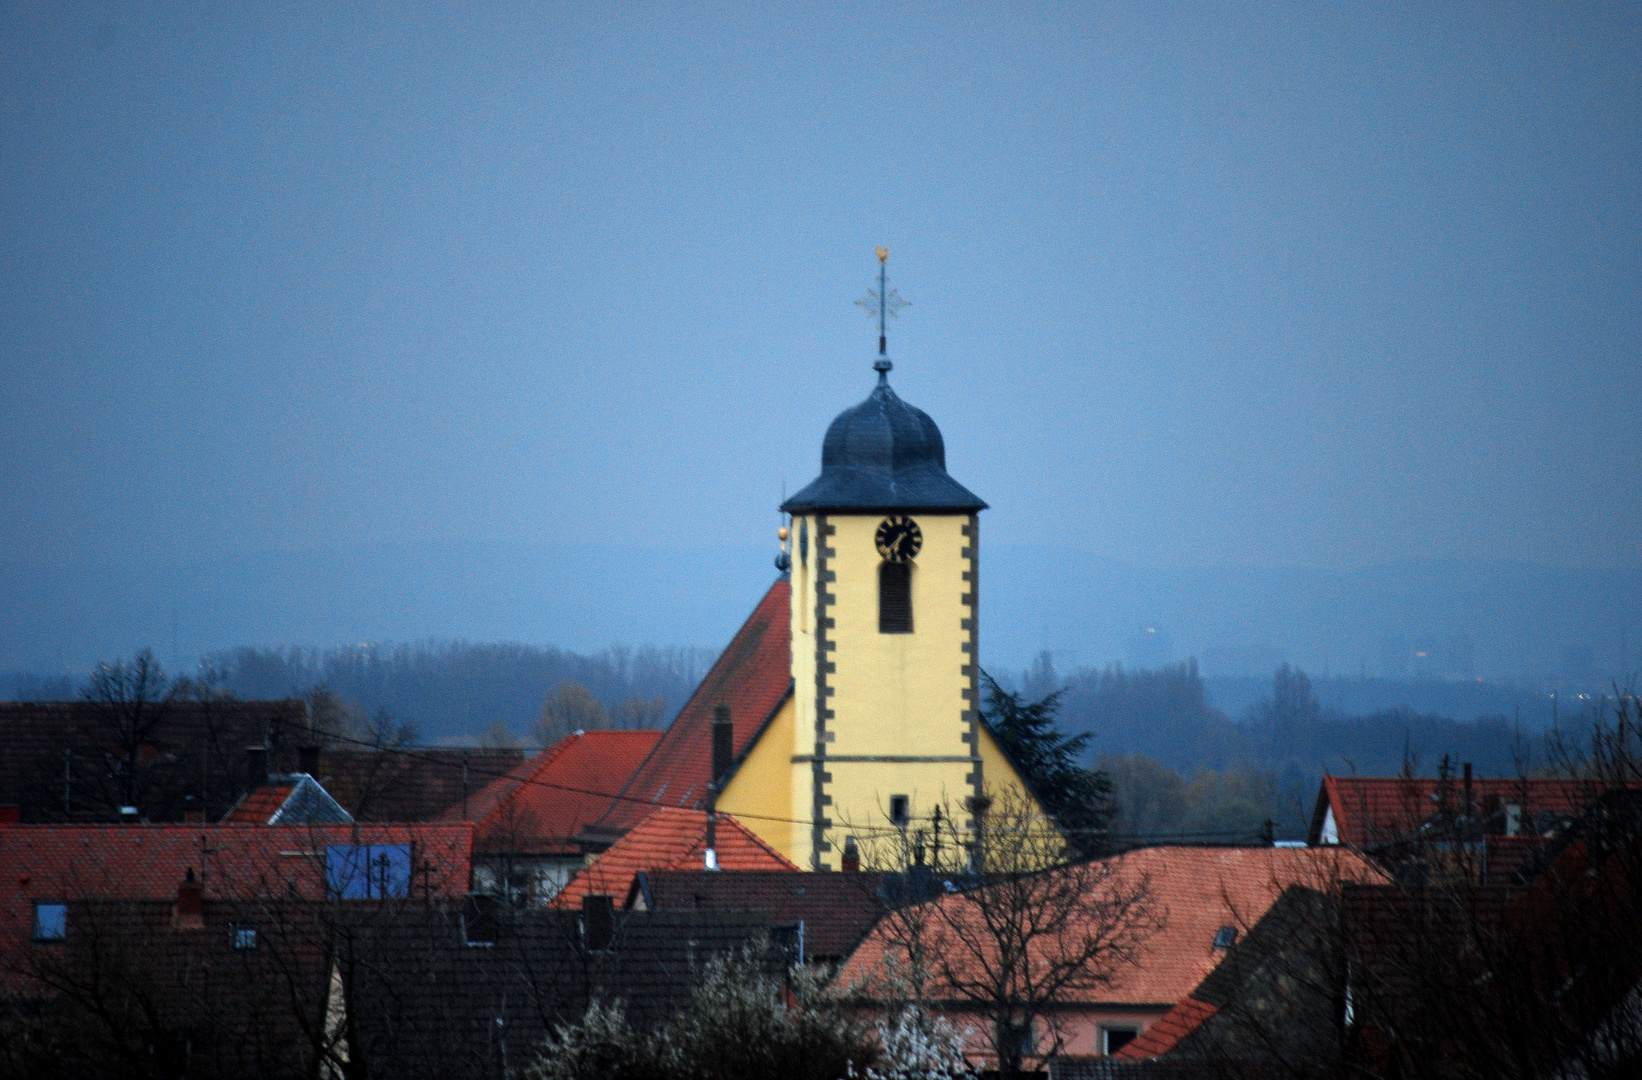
883	302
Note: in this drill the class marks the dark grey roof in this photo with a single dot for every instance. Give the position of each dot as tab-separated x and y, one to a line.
429	1005
883	455
837	910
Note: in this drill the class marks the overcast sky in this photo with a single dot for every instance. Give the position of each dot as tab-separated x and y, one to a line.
1191	285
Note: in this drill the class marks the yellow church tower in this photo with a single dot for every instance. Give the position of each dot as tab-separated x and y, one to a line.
885	627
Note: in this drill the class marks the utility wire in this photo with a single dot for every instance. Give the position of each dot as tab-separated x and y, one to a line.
410	750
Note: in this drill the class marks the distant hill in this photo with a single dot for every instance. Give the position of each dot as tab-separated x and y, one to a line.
1462	699
451	691
1167	714
1532	624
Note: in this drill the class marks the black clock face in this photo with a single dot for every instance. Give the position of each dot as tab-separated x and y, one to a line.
899	539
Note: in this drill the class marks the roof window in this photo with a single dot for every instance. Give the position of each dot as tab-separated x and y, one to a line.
368	871
1225	937
50	920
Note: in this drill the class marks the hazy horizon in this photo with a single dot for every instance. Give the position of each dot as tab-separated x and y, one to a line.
1290	333
1512	622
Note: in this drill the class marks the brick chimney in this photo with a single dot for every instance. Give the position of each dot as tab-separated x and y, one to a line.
723	742
851	862
308	760
193	812
256	763
11	814
723	757
189	913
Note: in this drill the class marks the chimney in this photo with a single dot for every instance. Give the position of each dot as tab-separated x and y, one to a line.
256	758
1470	799
308	760
852	856
723	742
189	913
193	813
129	815
598	922
11	814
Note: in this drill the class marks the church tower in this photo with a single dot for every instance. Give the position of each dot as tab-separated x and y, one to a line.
885	631
846	710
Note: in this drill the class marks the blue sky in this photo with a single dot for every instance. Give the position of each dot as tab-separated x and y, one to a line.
1264	286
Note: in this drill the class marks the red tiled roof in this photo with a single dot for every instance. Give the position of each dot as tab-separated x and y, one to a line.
1374	809
146	862
671	838
1197	890
259	805
539	806
1163	1033
752	676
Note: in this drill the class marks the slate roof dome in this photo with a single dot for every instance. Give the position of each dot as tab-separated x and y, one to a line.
883	454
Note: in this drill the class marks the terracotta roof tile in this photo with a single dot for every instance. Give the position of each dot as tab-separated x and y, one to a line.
259	805
538	807
1167	1030
146	862
752	676
670	839
1199	890
1370	810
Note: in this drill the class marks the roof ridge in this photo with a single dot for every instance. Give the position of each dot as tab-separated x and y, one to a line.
621	795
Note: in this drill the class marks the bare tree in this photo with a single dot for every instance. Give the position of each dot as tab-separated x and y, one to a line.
498	736
1025	925
639	714
568	709
129	701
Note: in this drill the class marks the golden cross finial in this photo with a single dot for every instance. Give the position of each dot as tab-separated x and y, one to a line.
884	302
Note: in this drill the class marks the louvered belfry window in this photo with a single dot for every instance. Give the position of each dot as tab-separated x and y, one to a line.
894	598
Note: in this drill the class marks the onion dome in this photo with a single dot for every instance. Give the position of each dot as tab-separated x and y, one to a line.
883	454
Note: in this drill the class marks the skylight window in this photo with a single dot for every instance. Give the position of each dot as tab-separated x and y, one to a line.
368	871
50	921
1225	937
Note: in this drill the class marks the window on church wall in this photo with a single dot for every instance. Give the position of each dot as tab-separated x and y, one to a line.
894	598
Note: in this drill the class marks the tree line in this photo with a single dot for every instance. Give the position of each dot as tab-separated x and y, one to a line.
457	690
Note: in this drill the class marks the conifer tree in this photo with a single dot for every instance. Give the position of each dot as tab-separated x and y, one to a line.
1078	798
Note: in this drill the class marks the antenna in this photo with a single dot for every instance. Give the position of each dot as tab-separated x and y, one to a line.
886	303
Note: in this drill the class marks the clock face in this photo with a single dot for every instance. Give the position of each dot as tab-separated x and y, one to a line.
899	539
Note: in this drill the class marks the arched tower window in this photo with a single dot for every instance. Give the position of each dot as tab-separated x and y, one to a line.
895	598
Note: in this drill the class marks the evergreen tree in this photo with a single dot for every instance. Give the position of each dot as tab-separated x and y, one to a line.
1079	799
